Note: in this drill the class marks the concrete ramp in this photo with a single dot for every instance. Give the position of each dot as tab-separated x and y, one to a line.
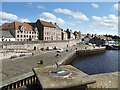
76	78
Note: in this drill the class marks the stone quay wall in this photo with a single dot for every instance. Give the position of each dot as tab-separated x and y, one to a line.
31	45
83	52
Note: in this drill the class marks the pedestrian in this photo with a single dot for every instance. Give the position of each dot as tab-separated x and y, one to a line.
76	48
32	54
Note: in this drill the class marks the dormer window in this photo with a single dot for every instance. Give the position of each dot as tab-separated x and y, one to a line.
21	28
35	29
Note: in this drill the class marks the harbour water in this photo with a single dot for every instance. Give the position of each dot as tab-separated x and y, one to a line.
96	64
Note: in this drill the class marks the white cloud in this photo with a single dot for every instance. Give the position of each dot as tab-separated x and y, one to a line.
46	16
8	16
65	11
81	16
115	6
96	18
3	21
40	6
23	20
110	21
75	15
95	5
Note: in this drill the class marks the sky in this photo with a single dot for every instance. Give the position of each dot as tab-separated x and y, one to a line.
87	17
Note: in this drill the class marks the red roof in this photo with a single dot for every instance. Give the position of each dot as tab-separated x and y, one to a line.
16	25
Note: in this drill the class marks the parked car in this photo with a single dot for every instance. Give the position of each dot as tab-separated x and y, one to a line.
56	47
49	48
60	50
89	44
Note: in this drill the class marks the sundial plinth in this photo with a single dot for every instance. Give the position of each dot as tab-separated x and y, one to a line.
50	81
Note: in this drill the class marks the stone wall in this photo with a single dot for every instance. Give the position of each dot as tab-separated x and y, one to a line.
38	44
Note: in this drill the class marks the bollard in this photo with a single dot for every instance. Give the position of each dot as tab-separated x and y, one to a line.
41	62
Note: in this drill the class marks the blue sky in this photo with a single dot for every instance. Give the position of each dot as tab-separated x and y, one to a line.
88	17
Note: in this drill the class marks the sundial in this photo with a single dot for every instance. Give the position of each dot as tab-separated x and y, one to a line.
60	71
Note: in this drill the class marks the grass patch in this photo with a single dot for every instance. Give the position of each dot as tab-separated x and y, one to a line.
24	58
16	73
37	66
6	74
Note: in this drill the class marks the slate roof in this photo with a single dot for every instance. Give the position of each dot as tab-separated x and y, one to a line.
57	26
5	34
44	23
47	24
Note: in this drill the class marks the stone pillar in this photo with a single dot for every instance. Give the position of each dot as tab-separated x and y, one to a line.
16	85
13	86
26	81
33	79
19	83
8	87
29	79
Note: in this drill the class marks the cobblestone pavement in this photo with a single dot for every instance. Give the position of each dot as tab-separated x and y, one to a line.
18	66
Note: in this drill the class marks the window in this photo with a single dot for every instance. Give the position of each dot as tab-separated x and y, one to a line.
21	35
8	25
17	35
30	32
17	31
47	33
24	36
45	38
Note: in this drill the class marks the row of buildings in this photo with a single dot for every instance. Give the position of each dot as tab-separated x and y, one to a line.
39	30
95	39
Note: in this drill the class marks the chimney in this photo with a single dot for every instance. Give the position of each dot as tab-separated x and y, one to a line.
38	20
55	23
67	29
